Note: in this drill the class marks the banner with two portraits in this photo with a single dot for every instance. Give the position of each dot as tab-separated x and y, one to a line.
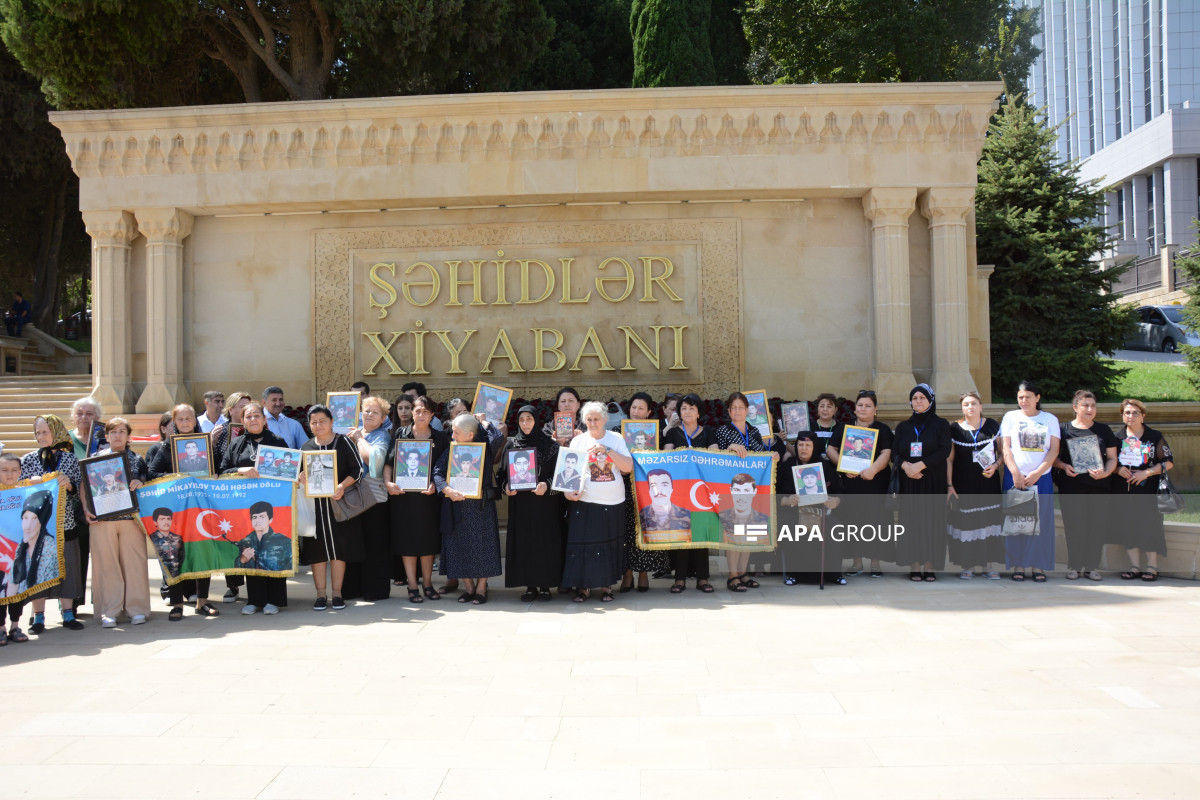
703	498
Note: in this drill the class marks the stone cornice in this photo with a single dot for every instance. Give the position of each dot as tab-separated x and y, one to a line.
890	206
947	205
110	228
164	225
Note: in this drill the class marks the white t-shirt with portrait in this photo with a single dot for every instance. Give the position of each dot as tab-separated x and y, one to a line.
604	485
1028	438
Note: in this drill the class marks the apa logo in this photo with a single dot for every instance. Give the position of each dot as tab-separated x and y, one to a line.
751	533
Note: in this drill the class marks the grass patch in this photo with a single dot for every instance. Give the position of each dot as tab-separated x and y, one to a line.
1189	514
1153	382
78	345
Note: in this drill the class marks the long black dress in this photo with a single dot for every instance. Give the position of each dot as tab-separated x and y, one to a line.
975	519
533	550
1139	523
923	501
416	517
691	562
863	500
335	541
1087	521
470	528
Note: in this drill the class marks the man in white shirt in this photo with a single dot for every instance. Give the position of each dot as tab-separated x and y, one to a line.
284	427
214	404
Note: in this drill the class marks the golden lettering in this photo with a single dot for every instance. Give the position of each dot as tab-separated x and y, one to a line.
476	284
502	341
419	352
678	331
385	352
501	300
566	263
650	279
539	364
434	284
597	353
628	279
525	283
630	336
455	352
382	284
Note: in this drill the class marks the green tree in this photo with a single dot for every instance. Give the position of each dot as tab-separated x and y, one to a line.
876	41
592	48
1188	263
687	43
1052	308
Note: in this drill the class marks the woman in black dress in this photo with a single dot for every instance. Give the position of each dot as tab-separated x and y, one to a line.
809	448
262	593
975	518
922	447
1086	517
534	546
416	514
692	562
643	562
1144	455
863	491
335	542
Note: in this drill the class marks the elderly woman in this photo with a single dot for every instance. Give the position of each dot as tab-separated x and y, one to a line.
416	514
373	441
1031	439
85	412
456	407
534	547
922	446
1086	516
235	407
643	562
267	594
1144	456
335	542
596	521
121	581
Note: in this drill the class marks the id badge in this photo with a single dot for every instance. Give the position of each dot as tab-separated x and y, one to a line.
916	449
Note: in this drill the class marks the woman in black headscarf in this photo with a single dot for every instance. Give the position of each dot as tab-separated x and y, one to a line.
922	446
534	549
806	568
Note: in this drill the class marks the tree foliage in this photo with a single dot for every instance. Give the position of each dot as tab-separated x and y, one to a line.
592	48
1188	263
687	43
877	41
1052	309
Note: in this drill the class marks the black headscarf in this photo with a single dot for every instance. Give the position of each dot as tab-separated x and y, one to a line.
929	413
816	443
535	438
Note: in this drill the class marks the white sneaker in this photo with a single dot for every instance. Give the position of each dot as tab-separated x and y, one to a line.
270	608
249	609
139	619
107	622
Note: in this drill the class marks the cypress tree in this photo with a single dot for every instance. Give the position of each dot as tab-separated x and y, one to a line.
1052	309
671	43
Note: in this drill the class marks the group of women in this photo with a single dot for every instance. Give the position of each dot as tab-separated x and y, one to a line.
949	481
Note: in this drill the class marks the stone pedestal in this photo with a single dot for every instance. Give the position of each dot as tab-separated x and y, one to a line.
946	209
164	229
111	232
889	210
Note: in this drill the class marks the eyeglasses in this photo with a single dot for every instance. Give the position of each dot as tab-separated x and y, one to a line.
1131	412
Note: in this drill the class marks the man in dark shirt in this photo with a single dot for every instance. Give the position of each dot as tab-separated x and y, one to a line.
167	544
18	316
264	548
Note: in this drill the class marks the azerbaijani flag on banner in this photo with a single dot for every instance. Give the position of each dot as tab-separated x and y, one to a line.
232	525
702	498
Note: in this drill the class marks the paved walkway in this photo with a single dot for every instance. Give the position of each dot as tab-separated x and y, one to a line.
877	689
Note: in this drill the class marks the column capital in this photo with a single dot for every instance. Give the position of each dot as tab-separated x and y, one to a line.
889	206
110	227
947	205
164	224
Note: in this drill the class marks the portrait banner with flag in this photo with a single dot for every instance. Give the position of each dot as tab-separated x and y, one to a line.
31	537
233	525
703	498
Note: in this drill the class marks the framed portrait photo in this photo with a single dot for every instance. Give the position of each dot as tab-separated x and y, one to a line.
279	463
522	469
757	414
465	472
106	480
640	434
191	455
810	483
564	425
413	460
795	419
569	474
345	407
95	438
320	472
857	449
491	401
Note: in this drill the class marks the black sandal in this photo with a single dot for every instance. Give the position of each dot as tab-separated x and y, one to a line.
432	593
705	587
915	577
1039	577
748	582
734	585
1150	575
176	614
414	596
678	586
1131	574
544	596
466	597
529	596
208	610
581	595
607	596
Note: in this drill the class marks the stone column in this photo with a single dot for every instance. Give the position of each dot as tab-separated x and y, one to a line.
111	233
889	210
165	230
946	209
1179	200
1140	232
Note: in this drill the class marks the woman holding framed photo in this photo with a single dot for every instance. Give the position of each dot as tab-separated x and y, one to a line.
643	562
864	491
534	546
336	542
470	527
922	446
975	519
120	580
1086	459
1143	459
416	514
1031	442
692	562
373	441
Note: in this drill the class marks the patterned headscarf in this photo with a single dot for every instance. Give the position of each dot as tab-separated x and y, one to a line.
60	441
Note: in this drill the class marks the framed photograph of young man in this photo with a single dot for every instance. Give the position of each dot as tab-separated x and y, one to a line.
569	475
795	419
640	434
345	407
191	455
810	483
106	481
412	464
522	469
757	414
320	472
492	402
279	463
466	468
857	449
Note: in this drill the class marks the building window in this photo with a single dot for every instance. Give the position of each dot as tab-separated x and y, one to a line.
1152	240
1148	106
1116	39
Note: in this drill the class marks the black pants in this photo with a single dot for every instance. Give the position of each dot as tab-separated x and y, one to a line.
261	591
234	581
84	538
690	563
185	589
14	612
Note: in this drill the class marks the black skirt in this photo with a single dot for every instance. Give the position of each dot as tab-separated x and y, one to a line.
594	549
335	541
416	524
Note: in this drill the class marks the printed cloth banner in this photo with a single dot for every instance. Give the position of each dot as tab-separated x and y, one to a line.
704	498
31	531
233	525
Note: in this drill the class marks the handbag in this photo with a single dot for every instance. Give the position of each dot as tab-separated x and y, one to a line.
892	502
1169	500
1020	508
359	497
